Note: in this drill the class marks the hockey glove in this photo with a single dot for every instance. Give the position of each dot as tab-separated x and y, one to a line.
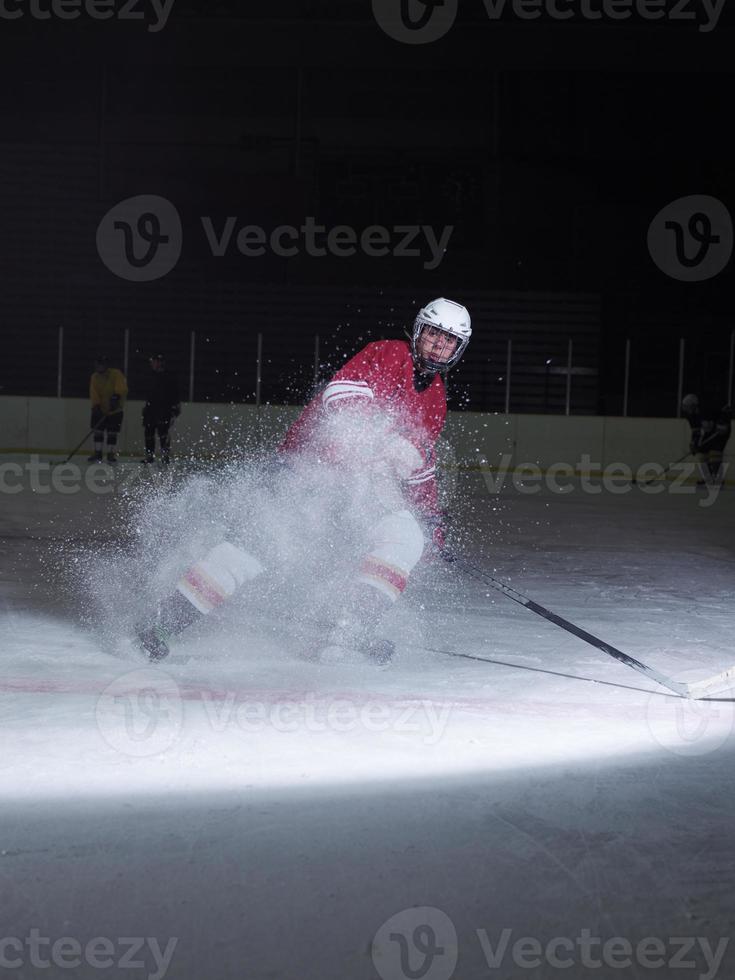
114	404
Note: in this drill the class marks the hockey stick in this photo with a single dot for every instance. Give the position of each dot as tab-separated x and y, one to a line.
645	483
660	476
77	448
713	685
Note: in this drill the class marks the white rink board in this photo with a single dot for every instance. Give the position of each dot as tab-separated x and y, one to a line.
55	426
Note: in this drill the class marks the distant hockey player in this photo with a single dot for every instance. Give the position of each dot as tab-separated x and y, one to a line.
108	390
710	432
162	406
394	388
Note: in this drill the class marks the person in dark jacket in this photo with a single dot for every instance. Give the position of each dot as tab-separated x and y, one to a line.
710	427
163	405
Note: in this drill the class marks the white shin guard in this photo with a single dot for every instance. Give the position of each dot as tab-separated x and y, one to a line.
396	547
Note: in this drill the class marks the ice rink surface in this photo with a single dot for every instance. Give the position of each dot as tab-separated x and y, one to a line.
247	814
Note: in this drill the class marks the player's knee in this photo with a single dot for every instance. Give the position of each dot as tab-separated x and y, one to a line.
414	541
211	581
399	540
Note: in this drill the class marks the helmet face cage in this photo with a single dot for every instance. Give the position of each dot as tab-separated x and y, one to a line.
435	367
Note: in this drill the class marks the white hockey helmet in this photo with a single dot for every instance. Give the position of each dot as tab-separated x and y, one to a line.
690	404
443	314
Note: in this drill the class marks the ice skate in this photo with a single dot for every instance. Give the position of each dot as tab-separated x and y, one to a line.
342	649
154	640
353	638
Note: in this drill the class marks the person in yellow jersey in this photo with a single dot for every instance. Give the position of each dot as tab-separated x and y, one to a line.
108	390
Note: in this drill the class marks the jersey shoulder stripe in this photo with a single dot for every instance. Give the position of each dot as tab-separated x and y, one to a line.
337	390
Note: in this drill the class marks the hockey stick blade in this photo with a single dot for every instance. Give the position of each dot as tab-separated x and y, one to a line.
718	684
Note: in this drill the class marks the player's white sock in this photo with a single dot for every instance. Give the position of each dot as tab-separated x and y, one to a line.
211	581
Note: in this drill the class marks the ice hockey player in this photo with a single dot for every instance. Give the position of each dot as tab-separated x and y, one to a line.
710	432
162	406
108	390
395	379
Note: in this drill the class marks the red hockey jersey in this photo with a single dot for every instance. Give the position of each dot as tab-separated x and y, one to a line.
381	376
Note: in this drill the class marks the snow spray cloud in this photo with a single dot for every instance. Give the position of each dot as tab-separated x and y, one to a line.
307	521
258	507
423	942
141	239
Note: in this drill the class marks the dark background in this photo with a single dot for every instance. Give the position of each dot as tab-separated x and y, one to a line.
549	145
